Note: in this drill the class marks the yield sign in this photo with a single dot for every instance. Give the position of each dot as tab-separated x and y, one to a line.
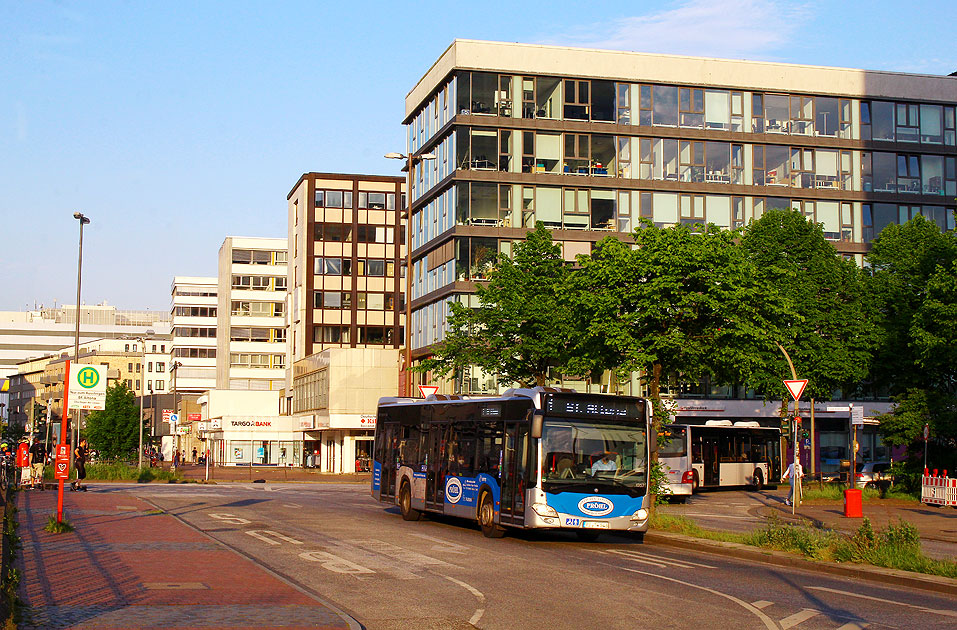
426	390
796	387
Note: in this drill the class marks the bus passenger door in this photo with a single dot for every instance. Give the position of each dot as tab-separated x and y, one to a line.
434	490
390	451
514	469
712	467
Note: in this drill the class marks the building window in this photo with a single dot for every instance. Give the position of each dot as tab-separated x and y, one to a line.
149	366
160	385
160	366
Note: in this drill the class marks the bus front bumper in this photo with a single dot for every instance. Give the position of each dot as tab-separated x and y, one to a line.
629	523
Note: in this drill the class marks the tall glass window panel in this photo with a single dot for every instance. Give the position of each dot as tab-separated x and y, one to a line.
882	120
777	113
884	166
548	206
758	169
719	210
624	157
691	107
623	103
737	164
827	118
847	222
776	165
665	208
949	135
691	161
802	115
931	124
665	106
937	214
828	214
737	111
801	168
603	210
908	174
757	113
825	169
666	159
717	163
717	109
645	105
865	120
932	174
950	176
907	122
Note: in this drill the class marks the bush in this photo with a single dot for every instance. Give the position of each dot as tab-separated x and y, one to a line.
120	471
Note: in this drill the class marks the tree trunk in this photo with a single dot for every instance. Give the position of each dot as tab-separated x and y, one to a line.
656	410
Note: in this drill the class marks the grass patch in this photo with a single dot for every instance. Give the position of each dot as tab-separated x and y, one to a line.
121	471
684	525
835	492
58	527
896	547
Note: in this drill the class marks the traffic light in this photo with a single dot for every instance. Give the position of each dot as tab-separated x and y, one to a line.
805	434
786	426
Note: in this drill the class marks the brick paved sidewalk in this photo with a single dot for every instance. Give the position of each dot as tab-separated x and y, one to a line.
127	565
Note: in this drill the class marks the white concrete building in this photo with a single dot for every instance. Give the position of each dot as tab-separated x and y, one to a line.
251	344
194	319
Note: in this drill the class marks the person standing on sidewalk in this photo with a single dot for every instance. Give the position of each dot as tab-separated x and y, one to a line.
23	462
79	461
793	473
38	456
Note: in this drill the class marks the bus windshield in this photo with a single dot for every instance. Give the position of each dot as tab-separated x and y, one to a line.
585	454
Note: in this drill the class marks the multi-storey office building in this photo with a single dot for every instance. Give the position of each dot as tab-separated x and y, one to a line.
347	248
590	142
251	314
194	316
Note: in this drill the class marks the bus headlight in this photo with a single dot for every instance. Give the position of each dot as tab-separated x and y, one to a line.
544	510
640	515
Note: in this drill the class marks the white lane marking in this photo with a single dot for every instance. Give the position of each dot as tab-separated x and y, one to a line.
291	505
395	552
474	591
761	603
799	617
854	625
267	535
334	563
443	545
768	622
745	518
229	518
658	561
945	613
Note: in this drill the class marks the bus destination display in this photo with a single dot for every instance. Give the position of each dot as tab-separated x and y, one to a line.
579	408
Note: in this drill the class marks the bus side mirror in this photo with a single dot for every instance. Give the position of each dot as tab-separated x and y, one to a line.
538	419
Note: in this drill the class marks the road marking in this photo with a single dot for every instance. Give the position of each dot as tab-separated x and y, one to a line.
746	518
230	518
767	621
854	625
945	613
474	591
263	535
291	505
406	556
444	545
334	563
799	617
761	603
658	561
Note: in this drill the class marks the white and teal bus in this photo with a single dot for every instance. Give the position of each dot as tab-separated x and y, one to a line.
531	458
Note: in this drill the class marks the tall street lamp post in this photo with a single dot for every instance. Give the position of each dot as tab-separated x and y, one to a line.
174	368
410	161
142	340
84	220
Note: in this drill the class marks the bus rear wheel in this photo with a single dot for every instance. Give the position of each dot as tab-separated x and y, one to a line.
405	504
758	479
695	483
486	517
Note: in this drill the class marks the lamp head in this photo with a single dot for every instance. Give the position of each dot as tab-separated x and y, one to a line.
395	156
79	216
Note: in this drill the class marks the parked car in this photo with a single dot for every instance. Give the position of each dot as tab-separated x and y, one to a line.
874	474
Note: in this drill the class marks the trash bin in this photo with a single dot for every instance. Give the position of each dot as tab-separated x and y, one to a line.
853	507
310	460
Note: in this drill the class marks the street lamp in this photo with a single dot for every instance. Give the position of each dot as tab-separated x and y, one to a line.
410	161
84	220
174	368
142	340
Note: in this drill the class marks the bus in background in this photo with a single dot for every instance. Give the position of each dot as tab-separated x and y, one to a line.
724	453
674	454
531	458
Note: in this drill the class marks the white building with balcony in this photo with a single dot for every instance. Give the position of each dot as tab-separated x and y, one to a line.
193	313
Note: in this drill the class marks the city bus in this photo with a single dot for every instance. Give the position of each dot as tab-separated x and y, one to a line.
531	458
720	453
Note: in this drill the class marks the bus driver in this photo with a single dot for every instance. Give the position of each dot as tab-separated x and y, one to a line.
606	462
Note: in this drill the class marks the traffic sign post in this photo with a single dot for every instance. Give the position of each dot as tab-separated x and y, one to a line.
796	387
427	390
926	437
87	386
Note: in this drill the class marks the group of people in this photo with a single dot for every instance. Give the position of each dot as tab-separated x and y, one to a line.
179	457
30	459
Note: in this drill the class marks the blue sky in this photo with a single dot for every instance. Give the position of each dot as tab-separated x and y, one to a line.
173	125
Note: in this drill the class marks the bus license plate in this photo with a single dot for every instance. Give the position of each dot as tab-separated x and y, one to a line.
595	524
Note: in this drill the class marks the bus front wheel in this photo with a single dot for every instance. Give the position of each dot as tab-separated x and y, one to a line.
405	504
486	517
758	479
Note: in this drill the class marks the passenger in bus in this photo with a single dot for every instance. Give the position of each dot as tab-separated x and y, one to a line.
607	462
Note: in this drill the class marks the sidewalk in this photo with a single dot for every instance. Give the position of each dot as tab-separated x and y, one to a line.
128	565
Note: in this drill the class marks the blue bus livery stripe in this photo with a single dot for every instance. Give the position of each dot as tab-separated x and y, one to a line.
376	475
568	503
465	490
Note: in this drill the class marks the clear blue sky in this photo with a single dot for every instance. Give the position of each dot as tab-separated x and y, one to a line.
173	125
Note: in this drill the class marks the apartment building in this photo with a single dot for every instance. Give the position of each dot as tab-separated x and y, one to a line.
193	313
590	142
346	320
251	314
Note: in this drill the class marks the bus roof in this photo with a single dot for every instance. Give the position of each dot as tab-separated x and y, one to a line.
533	393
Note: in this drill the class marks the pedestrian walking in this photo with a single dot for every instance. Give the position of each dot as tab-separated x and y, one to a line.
80	454
38	456
194	454
793	473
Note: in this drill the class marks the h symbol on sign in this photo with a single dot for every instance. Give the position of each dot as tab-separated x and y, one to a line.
88	377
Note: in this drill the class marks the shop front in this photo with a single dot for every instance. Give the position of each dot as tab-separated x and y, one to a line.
256	441
338	443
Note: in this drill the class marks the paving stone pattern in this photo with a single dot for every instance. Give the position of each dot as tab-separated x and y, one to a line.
124	568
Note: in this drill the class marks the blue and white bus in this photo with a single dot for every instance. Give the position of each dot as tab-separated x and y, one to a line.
531	458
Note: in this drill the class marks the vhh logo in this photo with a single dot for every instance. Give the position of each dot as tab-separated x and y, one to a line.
88	377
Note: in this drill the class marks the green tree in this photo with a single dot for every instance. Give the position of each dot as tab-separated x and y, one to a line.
114	431
830	332
519	330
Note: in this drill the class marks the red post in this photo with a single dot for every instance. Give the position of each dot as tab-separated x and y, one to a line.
63	431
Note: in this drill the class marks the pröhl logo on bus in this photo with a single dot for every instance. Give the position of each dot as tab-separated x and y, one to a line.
595	506
88	377
453	490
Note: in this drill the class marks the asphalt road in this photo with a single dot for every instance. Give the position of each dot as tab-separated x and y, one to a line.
336	541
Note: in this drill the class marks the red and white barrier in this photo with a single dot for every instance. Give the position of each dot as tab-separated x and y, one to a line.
938	489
